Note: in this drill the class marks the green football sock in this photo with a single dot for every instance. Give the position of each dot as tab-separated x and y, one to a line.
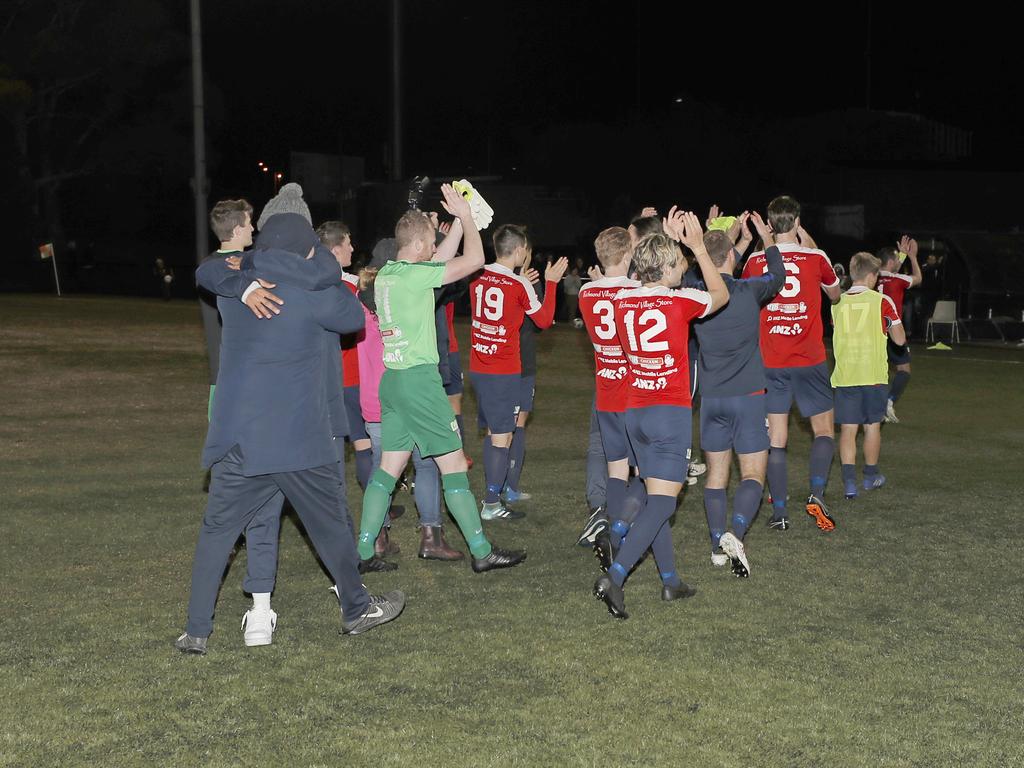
209	408
462	504
376	500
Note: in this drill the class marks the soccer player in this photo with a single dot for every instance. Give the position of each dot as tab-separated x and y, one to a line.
414	408
894	285
865	321
499	300
794	358
733	412
653	323
611	374
231	222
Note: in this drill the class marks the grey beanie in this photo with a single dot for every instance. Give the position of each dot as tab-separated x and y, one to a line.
288	200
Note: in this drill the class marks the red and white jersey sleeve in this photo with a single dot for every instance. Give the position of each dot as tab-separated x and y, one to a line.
499	299
598	313
894	285
890	314
349	354
654	330
791	327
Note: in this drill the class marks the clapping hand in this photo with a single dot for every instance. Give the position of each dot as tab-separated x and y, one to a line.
554	272
908	245
454	203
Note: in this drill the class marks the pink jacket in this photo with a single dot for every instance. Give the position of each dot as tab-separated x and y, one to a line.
371	367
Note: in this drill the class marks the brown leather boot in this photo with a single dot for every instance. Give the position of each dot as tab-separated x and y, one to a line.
384	546
433	545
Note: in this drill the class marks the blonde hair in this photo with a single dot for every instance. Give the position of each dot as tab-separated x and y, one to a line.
612	246
653	255
863	265
414	225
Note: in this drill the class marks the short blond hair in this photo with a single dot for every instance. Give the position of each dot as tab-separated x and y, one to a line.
653	255
612	245
863	265
414	225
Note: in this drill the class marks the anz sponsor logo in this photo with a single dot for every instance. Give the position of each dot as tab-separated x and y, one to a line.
485	349
653	385
615	375
786	330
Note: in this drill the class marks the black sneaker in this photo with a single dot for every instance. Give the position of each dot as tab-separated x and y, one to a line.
376	564
816	508
190	644
779	523
381	610
684	590
611	593
596	524
603	551
498	558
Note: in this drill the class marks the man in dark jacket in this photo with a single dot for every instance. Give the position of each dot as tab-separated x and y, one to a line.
271	434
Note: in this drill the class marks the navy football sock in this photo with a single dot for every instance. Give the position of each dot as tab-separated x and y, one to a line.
655	513
822	450
777	480
665	556
850	473
899	383
714	508
636	498
516	455
495	471
616	494
364	467
870	470
744	506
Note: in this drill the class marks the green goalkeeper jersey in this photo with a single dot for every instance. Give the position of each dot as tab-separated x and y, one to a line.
404	295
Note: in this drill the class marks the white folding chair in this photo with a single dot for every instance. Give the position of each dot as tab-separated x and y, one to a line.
943	314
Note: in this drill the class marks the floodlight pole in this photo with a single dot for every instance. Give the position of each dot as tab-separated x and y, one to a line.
198	134
396	90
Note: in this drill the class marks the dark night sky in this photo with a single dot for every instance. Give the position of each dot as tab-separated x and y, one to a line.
313	75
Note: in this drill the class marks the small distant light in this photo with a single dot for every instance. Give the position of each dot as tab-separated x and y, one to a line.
260	163
679	100
279	175
265	169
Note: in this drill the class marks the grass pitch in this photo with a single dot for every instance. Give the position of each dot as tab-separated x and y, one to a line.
894	641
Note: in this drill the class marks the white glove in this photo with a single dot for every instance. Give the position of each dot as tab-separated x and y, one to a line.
483	214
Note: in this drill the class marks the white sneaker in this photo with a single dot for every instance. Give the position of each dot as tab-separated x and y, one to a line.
733	547
259	625
697	468
719	558
890	413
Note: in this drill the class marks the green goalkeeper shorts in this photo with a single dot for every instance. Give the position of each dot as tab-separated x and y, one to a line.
414	411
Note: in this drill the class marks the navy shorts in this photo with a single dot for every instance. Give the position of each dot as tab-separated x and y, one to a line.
497	397
613	437
454	384
809	385
861	405
897	356
527	389
660	438
738	423
356	425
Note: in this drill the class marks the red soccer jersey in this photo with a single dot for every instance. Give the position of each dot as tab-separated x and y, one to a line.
449	313
610	367
500	299
349	356
791	327
654	331
894	286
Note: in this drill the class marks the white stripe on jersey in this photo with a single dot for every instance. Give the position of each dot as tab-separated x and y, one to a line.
908	279
531	294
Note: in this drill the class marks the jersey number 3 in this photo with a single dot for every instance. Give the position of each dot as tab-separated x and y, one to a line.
653	322
489	303
606	314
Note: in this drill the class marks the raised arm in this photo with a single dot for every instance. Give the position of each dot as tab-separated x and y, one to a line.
545	315
449	247
908	245
770	283
684	226
472	257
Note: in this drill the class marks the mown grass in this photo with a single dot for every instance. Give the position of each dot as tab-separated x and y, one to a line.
895	641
